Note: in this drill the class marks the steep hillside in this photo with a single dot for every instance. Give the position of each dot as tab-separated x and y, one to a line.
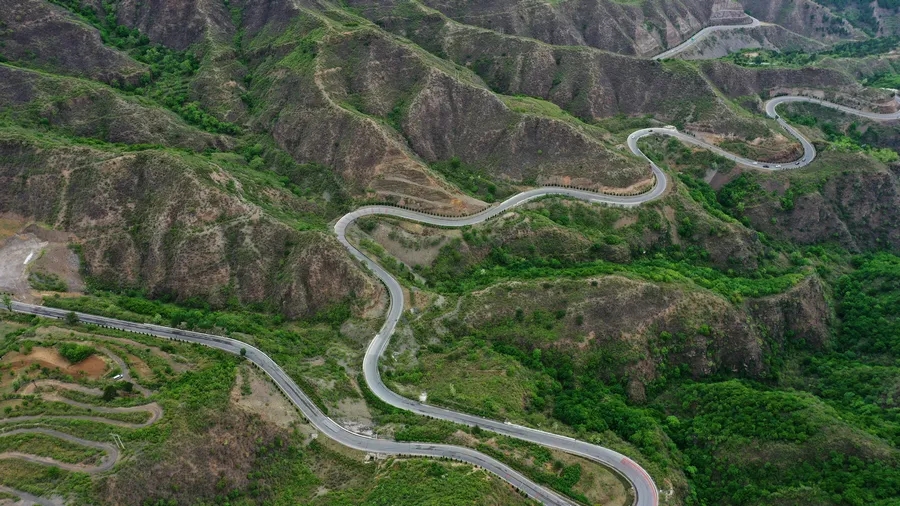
81	108
806	17
594	84
640	28
173	224
773	37
40	34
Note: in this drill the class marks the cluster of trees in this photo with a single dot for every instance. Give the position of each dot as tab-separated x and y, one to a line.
850	140
75	353
853	49
721	426
469	179
869	306
169	69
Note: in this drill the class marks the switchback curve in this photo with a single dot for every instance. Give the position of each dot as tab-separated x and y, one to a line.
645	488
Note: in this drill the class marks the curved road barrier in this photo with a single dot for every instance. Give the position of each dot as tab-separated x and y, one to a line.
646	492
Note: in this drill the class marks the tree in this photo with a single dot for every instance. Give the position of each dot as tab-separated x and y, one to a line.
7	302
71	318
109	393
243	352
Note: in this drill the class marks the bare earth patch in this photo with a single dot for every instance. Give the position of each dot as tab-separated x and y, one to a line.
16	253
92	367
264	399
35	249
139	366
177	366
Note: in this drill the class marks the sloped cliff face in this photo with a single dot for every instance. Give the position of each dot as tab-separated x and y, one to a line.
371	101
642	328
90	110
589	84
858	210
49	37
167	224
805	17
643	29
177	24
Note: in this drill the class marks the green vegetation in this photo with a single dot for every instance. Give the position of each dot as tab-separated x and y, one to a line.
855	49
47	282
714	421
502	265
870	296
430	482
48	446
471	180
170	70
737	440
850	140
285	342
75	353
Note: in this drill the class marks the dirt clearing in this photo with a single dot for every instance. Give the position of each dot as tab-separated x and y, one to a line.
92	367
139	367
16	253
37	250
255	394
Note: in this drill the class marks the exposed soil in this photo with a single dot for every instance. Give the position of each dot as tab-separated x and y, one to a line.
264	399
16	252
92	367
139	366
59	259
34	249
173	360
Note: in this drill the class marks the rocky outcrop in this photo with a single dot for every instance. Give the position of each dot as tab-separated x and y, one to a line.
642	29
177	24
805	17
639	330
737	81
49	37
166	224
799	317
856	209
82	109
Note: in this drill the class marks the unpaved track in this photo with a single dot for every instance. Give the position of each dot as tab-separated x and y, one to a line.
28	499
106	463
155	410
113	455
645	489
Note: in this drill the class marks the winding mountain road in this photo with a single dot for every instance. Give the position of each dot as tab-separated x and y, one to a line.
646	492
702	34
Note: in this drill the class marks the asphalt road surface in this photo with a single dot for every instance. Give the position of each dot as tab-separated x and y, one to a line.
702	34
645	490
